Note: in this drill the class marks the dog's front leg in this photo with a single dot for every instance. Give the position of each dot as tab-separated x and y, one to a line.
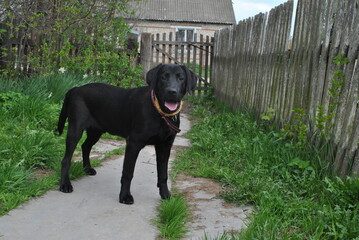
162	155
131	154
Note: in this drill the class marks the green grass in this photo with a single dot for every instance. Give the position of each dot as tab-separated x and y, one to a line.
29	110
113	137
223	236
172	217
291	187
117	151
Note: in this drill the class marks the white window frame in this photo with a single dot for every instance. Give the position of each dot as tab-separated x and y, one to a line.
186	29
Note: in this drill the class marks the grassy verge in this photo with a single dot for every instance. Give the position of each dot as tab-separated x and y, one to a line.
295	196
29	111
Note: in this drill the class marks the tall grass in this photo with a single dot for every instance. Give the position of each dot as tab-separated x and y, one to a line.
294	196
29	109
52	87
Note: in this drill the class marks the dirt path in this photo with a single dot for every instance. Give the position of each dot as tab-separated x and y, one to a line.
92	211
211	216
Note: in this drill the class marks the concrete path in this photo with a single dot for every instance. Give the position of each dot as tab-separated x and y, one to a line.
93	211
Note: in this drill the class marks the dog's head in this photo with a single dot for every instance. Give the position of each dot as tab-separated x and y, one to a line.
170	83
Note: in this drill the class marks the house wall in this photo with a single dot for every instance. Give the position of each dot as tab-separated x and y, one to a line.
160	27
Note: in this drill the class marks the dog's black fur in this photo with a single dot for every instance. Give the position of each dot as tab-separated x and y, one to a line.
130	113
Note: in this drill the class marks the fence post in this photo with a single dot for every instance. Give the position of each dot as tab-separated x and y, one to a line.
146	52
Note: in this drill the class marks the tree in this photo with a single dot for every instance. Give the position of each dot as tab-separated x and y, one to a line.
83	36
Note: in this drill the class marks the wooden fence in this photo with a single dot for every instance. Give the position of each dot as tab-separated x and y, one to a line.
256	66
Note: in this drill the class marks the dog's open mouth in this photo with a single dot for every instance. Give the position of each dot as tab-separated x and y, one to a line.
172	106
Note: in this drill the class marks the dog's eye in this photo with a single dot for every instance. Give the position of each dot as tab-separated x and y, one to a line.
180	77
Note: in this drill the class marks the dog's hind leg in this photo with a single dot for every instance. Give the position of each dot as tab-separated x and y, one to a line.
93	135
74	134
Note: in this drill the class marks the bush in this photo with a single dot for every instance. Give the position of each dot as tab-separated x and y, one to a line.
84	38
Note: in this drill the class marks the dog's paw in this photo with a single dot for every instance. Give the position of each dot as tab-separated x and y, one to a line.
126	198
66	188
164	193
90	171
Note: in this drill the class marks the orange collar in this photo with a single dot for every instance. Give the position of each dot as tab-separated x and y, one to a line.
157	105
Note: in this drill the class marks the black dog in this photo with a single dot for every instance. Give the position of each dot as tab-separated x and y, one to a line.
144	116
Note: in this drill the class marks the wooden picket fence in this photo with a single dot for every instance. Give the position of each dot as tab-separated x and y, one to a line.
256	65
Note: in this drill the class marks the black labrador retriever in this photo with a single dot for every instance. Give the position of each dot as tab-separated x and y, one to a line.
144	116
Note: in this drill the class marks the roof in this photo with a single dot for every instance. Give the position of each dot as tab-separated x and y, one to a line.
203	11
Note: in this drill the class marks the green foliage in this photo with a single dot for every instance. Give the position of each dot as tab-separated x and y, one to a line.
323	121
18	185
27	129
51	87
198	69
294	196
2	32
300	127
324	117
269	115
223	236
29	110
173	215
86	39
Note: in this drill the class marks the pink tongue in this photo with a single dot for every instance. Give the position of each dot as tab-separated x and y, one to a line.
171	106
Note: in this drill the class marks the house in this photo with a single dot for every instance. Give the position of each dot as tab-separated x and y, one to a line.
184	17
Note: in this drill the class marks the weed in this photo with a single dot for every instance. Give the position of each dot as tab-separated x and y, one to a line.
269	115
325	115
173	215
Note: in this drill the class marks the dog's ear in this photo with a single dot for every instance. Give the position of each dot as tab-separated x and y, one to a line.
151	75
191	81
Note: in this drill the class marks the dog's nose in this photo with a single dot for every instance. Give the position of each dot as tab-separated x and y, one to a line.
172	91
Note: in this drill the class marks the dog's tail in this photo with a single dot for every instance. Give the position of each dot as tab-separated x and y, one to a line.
63	114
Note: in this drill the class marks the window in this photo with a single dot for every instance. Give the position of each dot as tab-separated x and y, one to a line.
186	35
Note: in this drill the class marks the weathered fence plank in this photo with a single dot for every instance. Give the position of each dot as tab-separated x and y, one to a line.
170	46
146	53
254	67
